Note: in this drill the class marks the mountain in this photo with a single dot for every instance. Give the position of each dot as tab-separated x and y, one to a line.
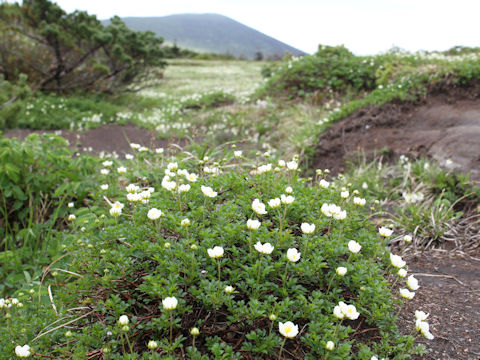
212	33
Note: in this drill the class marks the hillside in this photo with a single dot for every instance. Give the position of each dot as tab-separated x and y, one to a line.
212	33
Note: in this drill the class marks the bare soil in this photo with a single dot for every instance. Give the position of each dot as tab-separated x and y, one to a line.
445	125
107	138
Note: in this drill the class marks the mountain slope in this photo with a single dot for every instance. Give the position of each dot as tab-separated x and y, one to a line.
211	33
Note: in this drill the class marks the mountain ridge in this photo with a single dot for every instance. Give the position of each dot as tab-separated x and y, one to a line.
214	33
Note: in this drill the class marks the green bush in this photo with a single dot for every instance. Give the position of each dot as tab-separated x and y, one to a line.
38	178
126	267
331	70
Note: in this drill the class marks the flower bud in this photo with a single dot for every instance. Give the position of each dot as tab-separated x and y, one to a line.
194	331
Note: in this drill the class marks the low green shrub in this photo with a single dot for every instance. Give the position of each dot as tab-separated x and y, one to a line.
171	264
331	70
38	179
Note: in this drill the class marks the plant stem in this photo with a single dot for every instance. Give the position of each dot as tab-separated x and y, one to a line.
218	264
171	333
285	275
259	264
305	247
281	349
129	344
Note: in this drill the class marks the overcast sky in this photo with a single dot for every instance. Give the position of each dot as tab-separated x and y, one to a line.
363	26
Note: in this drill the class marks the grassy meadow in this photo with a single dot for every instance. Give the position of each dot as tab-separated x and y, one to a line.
231	247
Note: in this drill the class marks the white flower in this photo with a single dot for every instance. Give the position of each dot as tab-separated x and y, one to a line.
281	163
182	172
288	190
338	313
170	303
330	210
185	222
122	170
184	188
412	283
274	203
229	289
134	146
258	207
402	273
407	294
142	149
154	214
215	252
237	153
253	224
288	329
293	255
407	238
116	209
351	312
132	188
159	150
266	248
22	351
104	186
354	247
365	185
71	205
342	215
397	261
134	197
344	194
208	191
359	201
194	331
71	217
324	184
173	166
104	171
169	173
123	320
292	165
420	315
264	169
167	184
330	345
152	345
107	163
424	329
307	228
192	177
286	199
129	156
385	232
341	270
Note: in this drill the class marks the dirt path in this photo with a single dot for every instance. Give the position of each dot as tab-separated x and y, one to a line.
450	292
106	138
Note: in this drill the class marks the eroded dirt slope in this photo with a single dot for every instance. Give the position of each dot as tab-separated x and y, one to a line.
444	126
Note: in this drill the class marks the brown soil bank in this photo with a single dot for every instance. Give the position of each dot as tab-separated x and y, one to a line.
445	125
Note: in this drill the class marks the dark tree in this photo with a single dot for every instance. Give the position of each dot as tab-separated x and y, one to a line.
69	52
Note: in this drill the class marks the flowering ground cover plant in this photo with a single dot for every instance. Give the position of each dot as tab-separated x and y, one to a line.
192	258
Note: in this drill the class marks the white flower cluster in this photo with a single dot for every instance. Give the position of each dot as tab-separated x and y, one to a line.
343	310
332	210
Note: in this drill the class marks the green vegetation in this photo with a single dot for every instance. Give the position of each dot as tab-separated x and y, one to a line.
38	179
60	52
95	278
128	263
